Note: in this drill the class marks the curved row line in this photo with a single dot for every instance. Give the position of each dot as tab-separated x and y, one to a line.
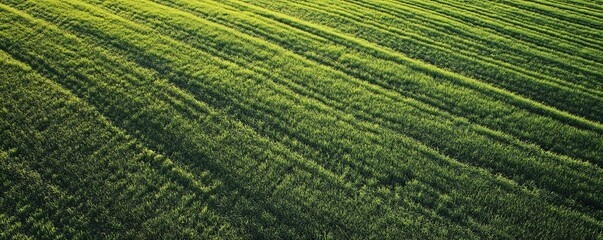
468	56
305	163
586	34
326	62
582	7
426	25
528	33
101	153
571	17
430	69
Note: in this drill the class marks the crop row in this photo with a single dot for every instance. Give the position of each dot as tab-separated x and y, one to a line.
275	156
578	7
69	173
544	88
424	37
235	150
520	30
521	58
508	154
257	56
301	118
490	27
558	13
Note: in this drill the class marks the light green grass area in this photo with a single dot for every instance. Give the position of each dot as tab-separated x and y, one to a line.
260	119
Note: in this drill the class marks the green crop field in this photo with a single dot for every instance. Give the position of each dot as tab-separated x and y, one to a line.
312	119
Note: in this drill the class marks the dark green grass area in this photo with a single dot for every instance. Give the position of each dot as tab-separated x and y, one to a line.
254	119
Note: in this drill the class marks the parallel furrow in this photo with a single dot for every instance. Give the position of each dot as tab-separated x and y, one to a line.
581	39
421	66
388	95
232	119
483	37
290	211
182	73
535	8
467	47
300	90
119	144
507	27
538	86
594	11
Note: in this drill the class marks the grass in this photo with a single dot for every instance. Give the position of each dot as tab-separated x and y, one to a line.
313	119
